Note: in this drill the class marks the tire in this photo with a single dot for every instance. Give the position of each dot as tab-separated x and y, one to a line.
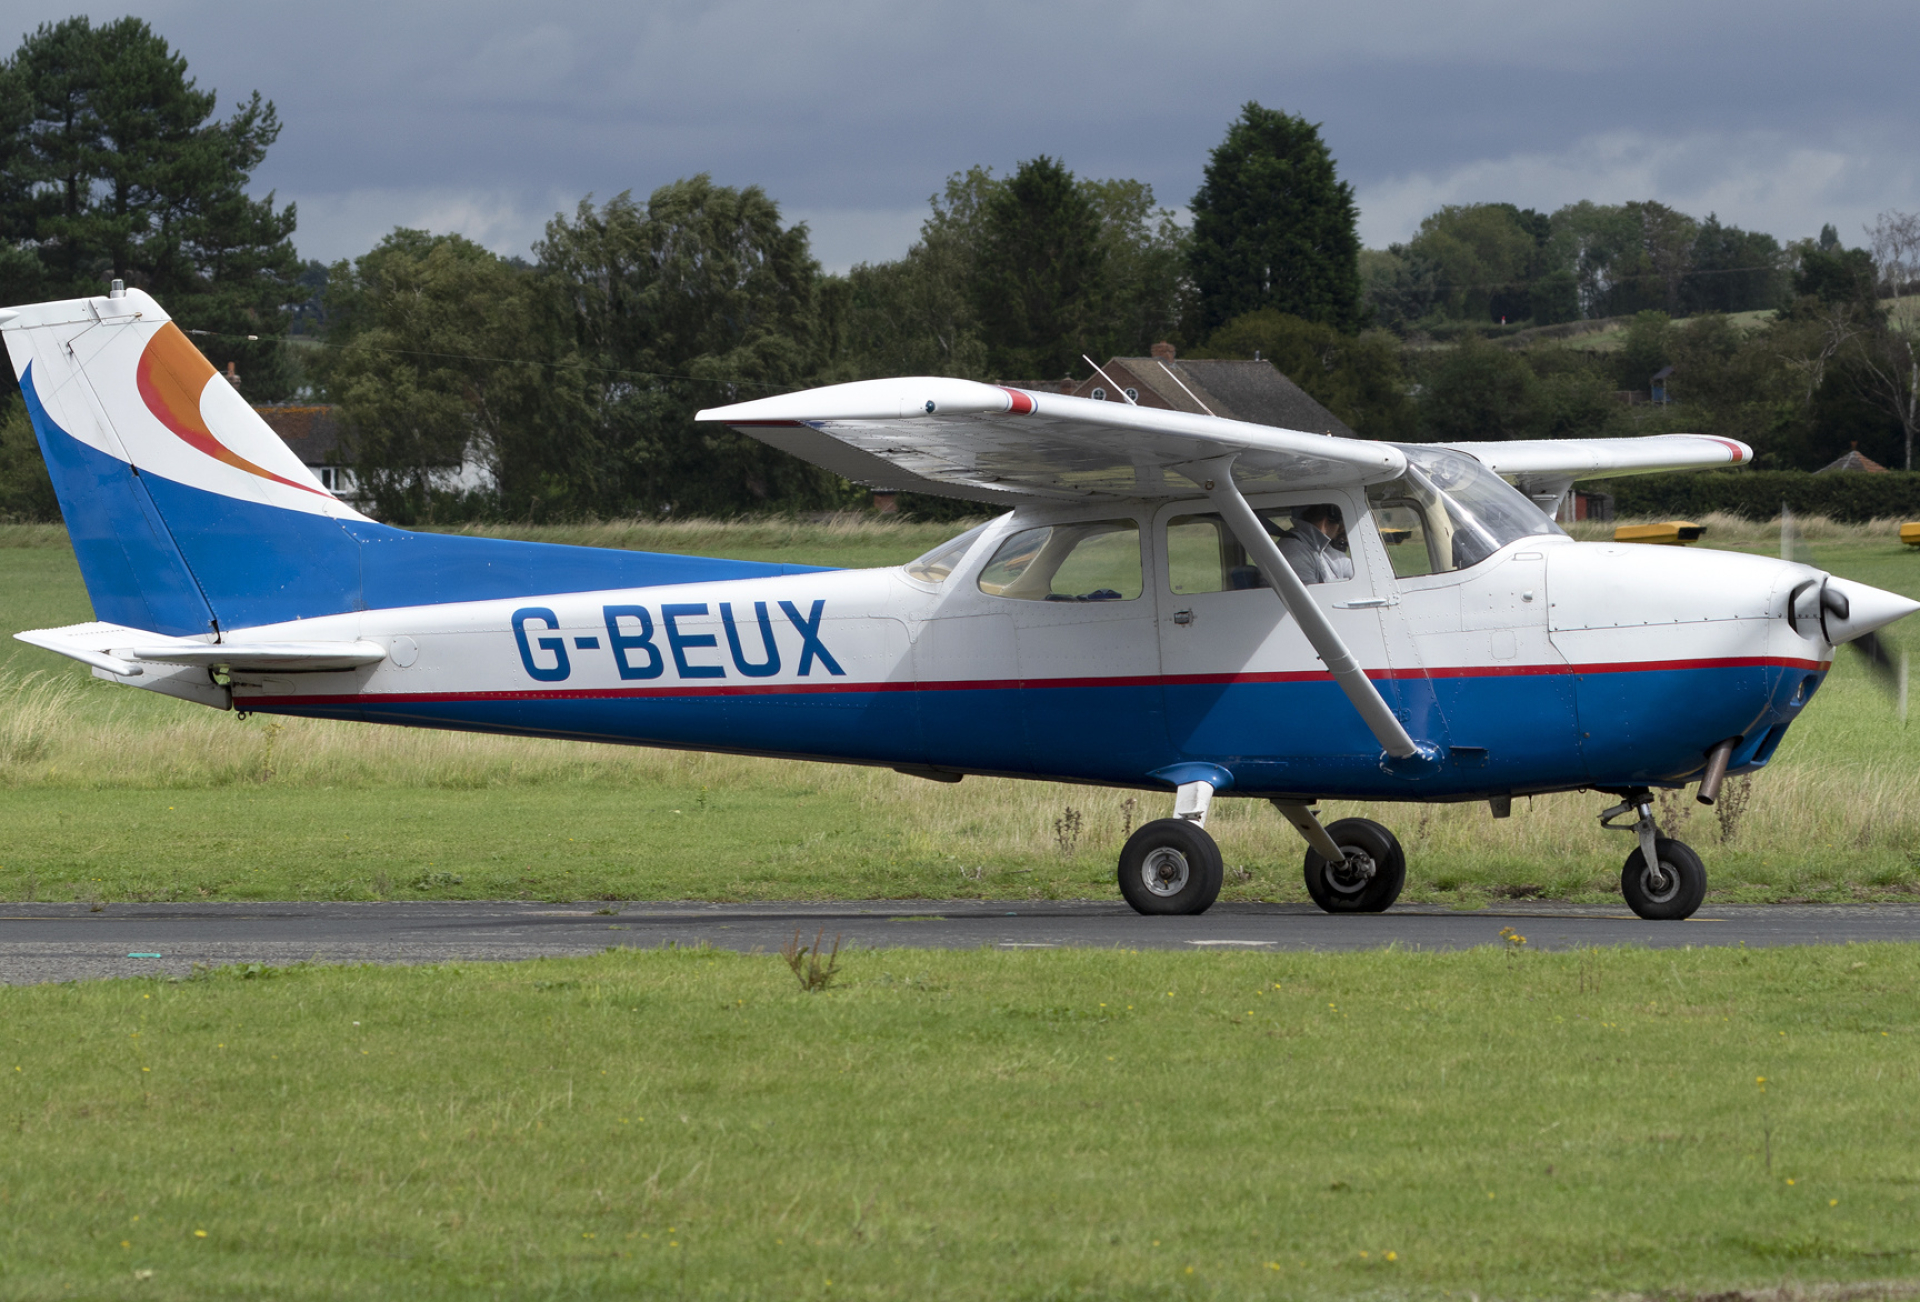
1170	866
1683	887
1337	890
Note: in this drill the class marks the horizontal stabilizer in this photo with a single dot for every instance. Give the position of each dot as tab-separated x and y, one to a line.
124	652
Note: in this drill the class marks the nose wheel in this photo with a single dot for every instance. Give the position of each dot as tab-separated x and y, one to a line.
1663	880
1669	890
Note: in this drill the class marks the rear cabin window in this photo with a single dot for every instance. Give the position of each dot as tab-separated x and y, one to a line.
1094	560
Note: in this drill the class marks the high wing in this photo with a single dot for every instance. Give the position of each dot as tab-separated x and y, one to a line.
985	443
1544	469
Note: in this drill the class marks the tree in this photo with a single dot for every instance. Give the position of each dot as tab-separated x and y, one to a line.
1483	254
1734	270
1888	374
1274	227
1477	391
1359	378
118	169
1040	272
923	314
915	316
700	297
446	355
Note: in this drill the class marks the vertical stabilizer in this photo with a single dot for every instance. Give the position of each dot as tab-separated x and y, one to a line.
190	516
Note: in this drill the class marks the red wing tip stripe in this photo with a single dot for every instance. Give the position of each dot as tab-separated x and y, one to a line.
1019	402
1739	454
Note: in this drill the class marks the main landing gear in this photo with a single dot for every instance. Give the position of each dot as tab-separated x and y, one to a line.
1663	880
1171	865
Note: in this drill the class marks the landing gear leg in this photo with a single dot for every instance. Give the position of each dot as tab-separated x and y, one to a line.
1662	880
1353	866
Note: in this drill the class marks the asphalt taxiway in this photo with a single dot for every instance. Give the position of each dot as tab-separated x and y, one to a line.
66	942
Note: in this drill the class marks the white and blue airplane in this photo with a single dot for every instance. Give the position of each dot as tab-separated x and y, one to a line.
1171	602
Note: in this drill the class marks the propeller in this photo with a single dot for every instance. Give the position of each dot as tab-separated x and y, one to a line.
1828	604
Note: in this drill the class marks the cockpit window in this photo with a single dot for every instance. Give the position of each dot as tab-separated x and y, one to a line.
1204	556
1090	560
937	564
1449	512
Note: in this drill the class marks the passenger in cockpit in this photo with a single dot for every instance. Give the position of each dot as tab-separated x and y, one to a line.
1316	545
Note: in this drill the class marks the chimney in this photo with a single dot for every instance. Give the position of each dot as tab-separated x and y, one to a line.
1163	352
233	376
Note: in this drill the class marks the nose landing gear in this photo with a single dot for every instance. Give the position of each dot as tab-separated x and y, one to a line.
1663	880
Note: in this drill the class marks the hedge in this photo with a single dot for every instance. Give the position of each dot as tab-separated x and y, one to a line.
1853	497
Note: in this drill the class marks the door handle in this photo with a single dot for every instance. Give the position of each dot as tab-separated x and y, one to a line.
1363	603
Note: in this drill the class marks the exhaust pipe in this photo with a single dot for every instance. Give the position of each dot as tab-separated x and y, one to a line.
1716	771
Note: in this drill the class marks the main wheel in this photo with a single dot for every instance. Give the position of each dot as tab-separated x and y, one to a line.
1170	866
1368	880
1670	892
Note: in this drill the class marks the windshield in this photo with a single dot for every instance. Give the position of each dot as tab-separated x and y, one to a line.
937	564
1459	510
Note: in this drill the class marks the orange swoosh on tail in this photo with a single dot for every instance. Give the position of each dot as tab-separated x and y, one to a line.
172	376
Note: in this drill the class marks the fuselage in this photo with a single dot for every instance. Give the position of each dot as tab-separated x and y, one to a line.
1547	665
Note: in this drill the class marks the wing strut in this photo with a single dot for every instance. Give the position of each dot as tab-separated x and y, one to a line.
1215	475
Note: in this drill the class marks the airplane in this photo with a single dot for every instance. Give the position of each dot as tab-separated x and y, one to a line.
1170	602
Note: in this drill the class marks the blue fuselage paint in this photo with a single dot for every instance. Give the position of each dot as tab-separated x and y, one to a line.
1287	738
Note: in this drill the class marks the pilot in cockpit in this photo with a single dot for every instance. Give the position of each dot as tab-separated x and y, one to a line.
1316	545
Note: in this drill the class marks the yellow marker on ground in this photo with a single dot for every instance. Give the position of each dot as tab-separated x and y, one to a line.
1910	534
1667	533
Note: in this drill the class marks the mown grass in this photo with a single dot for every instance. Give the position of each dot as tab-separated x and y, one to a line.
986	1124
124	795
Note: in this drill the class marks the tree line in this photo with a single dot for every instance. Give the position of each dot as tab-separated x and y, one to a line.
572	375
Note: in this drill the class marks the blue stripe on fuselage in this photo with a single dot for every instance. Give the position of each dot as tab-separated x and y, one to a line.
1509	732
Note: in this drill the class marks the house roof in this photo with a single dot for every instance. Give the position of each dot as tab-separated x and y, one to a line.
312	432
1853	461
1249	391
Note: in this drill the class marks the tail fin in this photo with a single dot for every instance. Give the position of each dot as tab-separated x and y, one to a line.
189	515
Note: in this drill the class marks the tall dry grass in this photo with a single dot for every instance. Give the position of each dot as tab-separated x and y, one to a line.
1840	803
1828	811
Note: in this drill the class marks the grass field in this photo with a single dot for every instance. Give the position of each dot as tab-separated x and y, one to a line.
118	794
978	1125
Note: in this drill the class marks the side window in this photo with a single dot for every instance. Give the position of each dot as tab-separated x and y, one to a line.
1094	560
1410	544
1204	556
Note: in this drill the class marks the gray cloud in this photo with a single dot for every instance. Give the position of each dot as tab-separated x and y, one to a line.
488	117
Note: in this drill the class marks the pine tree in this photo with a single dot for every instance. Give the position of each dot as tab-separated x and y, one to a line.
1274	227
1039	273
116	168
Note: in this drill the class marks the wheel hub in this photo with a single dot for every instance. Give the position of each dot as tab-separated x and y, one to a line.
1164	871
1660	882
1351	875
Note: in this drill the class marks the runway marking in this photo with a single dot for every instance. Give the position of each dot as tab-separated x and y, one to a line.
1248	943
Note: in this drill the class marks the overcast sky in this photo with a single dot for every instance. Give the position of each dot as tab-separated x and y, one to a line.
487	118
